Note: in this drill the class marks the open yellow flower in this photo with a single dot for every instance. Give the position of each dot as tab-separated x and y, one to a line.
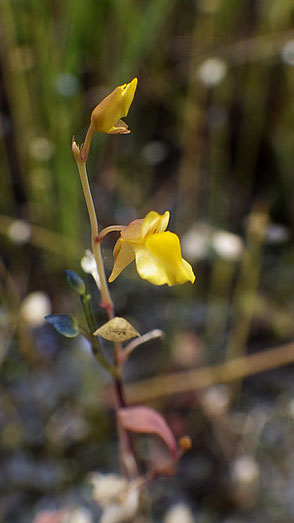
157	252
106	117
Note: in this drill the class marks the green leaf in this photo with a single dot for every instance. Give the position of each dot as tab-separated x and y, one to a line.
76	282
64	324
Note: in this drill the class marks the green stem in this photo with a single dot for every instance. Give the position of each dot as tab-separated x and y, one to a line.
96	248
86	145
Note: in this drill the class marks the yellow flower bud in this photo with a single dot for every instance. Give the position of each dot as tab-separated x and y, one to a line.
106	117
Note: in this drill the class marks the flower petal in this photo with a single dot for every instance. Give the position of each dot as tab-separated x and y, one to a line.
133	231
119	128
123	255
154	223
127	95
160	260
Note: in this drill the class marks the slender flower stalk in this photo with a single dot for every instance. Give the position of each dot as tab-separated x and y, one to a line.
106	301
107	230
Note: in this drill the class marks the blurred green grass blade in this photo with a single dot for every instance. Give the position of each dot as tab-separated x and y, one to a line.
140	27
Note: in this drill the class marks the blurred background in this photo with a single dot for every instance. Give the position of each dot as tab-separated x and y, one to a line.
212	141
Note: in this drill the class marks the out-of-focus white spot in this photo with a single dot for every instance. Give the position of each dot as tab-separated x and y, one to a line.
216	400
195	243
155	152
245	470
107	487
179	513
19	231
287	53
88	263
227	245
276	234
212	71
245	474
79	515
111	491
67	85
202	238
41	148
34	307
89	266
124	511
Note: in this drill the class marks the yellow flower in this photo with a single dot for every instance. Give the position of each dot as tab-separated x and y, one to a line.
157	252
106	117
